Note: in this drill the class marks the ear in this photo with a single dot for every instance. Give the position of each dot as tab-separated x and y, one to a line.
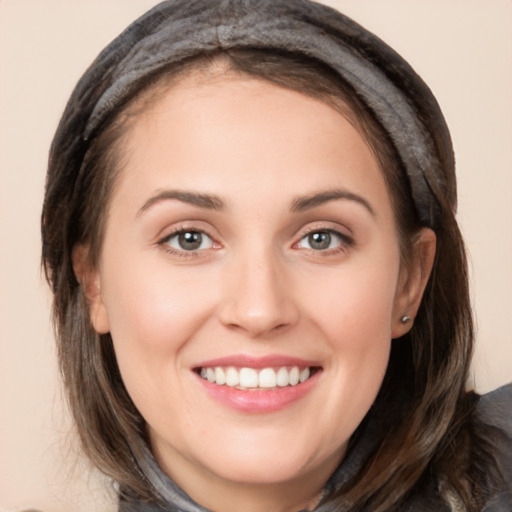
412	282
90	282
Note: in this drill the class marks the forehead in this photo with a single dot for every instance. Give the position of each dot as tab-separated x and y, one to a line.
226	134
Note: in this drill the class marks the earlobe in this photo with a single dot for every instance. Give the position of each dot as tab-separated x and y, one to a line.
90	283
413	281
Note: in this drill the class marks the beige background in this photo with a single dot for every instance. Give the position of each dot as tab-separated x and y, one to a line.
463	49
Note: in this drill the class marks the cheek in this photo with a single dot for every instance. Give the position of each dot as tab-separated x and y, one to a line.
353	311
355	307
152	314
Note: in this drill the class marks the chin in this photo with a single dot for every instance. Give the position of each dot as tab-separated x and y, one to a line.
258	461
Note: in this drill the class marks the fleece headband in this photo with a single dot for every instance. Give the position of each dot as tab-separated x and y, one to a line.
177	29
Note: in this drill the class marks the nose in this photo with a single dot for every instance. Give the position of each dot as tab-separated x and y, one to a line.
258	298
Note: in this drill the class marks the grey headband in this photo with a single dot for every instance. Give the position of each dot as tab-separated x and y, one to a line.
178	29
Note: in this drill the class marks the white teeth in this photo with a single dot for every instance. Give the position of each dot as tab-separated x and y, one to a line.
220	376
294	376
283	377
267	378
304	375
232	379
246	378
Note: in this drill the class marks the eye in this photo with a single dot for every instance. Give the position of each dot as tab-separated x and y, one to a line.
188	240
322	240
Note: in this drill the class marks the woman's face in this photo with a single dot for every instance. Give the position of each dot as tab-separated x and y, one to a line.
250	243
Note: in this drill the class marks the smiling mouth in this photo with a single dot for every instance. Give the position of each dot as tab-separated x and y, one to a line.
257	379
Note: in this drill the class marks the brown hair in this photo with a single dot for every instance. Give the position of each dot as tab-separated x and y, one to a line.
423	410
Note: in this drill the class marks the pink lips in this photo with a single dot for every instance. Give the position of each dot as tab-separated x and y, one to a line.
257	400
257	362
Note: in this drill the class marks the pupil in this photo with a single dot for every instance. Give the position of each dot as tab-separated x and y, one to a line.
190	240
320	240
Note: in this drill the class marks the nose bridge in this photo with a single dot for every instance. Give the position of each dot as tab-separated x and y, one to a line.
258	299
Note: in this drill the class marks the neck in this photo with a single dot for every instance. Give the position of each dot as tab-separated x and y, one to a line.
221	495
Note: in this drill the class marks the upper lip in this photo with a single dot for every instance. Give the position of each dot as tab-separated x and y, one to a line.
247	361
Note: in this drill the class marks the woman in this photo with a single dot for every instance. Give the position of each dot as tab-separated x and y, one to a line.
260	287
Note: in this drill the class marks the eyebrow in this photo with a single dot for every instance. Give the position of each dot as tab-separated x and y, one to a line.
208	201
213	202
301	204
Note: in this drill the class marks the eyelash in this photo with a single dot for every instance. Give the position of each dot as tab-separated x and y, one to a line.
345	242
183	253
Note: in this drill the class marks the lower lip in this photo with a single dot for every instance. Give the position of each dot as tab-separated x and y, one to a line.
259	401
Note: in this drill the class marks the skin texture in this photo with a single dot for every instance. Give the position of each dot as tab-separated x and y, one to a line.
255	287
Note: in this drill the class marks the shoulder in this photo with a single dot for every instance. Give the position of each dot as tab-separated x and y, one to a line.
495	410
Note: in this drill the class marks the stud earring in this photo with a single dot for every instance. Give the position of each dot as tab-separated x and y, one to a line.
405	319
